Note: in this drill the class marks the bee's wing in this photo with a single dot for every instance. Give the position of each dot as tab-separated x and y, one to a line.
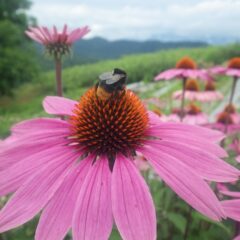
115	78
106	76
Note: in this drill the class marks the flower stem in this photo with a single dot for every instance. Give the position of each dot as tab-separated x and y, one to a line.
231	100
58	70
183	99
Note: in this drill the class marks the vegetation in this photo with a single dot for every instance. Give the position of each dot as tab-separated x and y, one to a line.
17	57
172	212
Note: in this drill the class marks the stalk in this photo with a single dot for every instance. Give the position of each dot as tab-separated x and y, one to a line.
58	71
183	99
231	100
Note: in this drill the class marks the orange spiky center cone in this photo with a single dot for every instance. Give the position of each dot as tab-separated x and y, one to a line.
234	63
210	86
186	63
230	109
224	118
106	127
192	85
193	109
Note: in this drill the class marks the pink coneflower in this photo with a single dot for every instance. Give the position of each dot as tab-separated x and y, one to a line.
193	93
210	93
226	122
235	146
80	170
233	70
185	68
192	115
57	44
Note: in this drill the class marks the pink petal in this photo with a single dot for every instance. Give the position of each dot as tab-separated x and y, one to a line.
169	74
232	209
238	158
27	146
231	194
187	138
39	124
133	208
233	72
59	105
33	195
34	37
218	70
56	218
14	176
201	162
93	214
185	183
181	128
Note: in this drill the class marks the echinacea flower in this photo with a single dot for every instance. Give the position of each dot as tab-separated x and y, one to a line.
185	68
226	122
210	93
232	70
79	170
57	43
192	115
193	93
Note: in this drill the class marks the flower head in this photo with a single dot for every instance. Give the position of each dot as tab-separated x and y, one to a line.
232	69
226	121
81	169
57	43
192	115
185	68
193	93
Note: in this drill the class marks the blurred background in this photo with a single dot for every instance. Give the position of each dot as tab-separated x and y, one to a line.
141	37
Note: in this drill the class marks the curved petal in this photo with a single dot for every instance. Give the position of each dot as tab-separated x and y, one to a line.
133	208
169	74
201	162
232	209
56	218
39	124
58	105
33	195
15	175
231	194
185	129
29	144
184	182
92	217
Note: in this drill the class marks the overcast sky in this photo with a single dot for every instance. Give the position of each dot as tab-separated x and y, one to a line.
207	20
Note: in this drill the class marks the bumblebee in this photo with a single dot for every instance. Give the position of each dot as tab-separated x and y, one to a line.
110	82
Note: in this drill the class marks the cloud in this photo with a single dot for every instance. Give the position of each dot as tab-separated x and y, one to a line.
161	19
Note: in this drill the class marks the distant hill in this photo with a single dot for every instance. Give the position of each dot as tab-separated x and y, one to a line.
99	48
95	49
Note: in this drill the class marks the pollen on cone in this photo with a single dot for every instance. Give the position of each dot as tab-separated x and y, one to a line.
109	126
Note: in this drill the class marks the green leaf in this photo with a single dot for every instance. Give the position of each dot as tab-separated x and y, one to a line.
177	220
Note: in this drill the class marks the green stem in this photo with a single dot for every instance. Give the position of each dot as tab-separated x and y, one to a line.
58	71
183	99
231	100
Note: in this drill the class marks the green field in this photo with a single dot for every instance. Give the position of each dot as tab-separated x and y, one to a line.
26	100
